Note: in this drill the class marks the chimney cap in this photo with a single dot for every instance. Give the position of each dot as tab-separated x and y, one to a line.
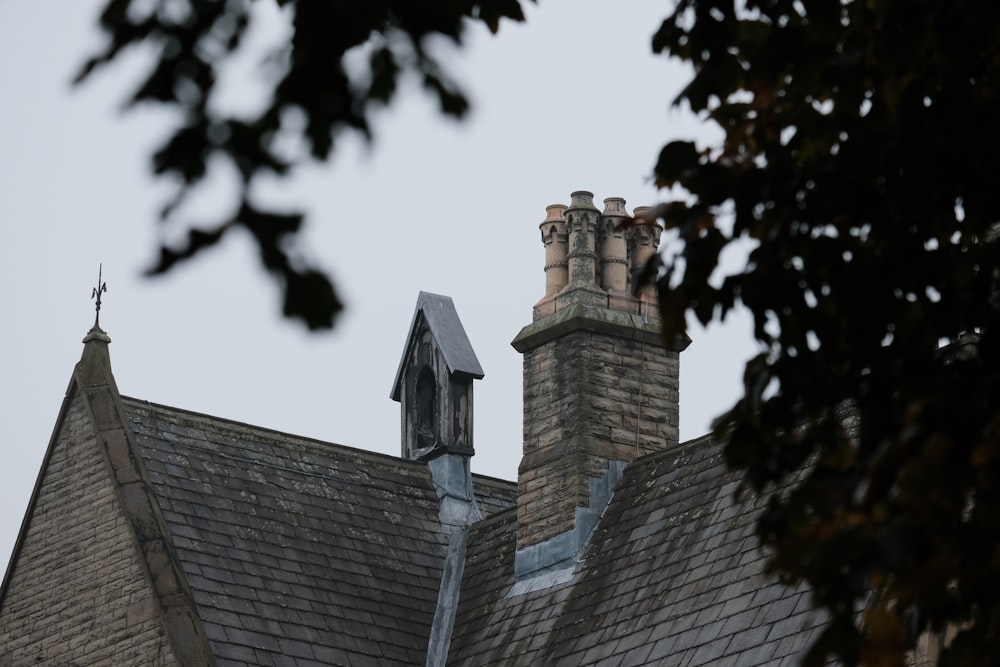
582	199
615	206
555	213
646	215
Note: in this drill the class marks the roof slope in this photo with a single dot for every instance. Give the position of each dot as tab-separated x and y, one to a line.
673	572
296	551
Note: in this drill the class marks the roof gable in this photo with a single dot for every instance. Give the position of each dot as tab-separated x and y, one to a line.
93	393
76	572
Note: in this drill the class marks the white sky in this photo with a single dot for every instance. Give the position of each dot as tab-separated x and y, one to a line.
572	100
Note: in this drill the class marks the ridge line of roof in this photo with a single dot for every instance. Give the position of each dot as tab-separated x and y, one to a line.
305	439
495	481
495	517
486	480
674	449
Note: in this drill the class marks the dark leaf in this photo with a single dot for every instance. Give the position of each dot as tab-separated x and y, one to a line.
837	162
197	241
196	41
310	297
676	161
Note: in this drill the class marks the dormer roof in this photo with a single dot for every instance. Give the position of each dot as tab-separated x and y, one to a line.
442	319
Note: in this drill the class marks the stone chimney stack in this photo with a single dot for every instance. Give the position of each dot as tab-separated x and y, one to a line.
600	384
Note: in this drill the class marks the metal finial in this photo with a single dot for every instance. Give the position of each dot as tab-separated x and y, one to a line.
96	293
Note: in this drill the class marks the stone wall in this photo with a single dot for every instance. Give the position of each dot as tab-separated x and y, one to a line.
589	397
79	594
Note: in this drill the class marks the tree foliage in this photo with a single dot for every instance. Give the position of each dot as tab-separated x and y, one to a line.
313	97
861	153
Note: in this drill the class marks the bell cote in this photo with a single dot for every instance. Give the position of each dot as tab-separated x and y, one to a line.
434	382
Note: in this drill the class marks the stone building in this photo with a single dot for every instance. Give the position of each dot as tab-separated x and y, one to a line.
158	536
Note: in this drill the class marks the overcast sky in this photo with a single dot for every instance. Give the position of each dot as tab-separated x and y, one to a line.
572	100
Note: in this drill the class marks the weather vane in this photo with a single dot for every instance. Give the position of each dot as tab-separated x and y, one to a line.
100	289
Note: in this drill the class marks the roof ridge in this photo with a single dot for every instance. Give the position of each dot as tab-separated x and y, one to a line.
675	449
500	516
325	445
490	480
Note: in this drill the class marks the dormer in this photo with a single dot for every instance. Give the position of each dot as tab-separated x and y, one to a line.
434	382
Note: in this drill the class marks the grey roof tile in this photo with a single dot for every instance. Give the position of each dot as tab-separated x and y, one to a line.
708	652
793	644
774	608
638	656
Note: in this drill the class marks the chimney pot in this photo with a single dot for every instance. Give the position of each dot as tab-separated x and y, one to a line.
554	237
614	254
644	240
581	232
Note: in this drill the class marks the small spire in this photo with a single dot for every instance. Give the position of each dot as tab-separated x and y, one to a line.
102	287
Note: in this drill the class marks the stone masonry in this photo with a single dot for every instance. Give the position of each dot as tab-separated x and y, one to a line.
80	595
591	398
600	384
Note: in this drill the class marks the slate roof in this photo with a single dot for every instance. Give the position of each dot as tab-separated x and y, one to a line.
673	575
299	552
